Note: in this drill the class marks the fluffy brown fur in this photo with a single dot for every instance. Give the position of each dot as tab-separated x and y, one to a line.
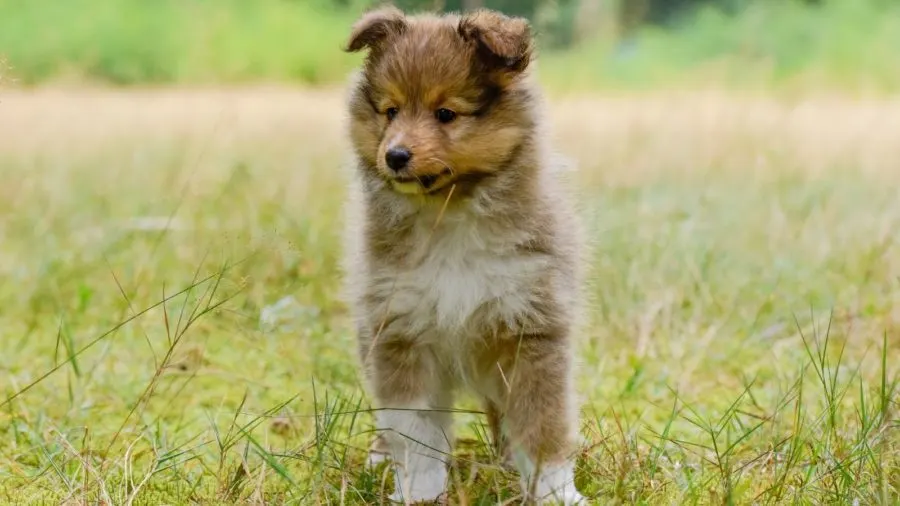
463	260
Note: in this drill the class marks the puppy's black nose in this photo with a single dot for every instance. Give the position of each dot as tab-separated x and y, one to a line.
397	158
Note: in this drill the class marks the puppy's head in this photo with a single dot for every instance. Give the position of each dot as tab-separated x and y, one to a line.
442	100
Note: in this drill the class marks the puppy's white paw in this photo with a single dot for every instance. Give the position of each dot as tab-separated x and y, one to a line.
379	452
423	486
397	499
556	485
376	458
569	496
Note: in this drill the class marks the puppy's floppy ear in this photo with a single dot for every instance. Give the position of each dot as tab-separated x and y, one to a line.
374	27
504	42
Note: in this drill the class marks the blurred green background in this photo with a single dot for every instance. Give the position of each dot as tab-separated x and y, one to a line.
851	45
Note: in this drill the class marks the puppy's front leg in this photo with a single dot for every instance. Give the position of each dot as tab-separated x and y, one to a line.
414	418
540	419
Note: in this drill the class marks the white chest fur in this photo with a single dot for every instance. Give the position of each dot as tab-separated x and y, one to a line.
457	271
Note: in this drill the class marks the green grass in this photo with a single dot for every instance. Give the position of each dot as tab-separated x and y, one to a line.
743	338
773	44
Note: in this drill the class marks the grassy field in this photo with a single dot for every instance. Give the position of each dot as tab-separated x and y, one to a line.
172	332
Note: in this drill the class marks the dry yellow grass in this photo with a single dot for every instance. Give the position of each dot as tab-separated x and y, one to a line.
618	137
725	230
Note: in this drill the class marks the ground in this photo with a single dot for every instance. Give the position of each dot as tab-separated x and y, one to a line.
172	328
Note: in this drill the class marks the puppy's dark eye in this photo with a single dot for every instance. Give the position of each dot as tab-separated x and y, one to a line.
391	113
445	115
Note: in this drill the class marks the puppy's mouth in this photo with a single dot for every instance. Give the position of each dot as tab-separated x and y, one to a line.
427	183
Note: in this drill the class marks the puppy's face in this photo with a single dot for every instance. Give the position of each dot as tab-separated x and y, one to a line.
439	101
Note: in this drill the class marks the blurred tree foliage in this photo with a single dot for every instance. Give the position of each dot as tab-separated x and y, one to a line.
558	20
526	8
